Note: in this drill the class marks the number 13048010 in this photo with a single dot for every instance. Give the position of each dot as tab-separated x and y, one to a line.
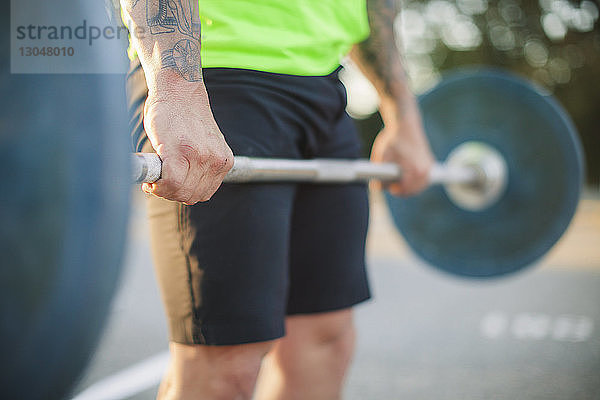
46	51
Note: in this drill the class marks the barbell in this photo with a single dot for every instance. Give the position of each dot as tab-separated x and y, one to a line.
504	194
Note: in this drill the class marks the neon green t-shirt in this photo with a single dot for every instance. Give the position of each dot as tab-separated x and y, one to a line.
299	37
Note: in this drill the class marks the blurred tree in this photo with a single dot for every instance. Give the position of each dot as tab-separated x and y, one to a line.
555	43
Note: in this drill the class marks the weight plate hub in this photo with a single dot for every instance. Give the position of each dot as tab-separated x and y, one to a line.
539	145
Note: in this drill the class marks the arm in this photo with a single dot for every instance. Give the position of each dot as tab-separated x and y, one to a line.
402	140
177	115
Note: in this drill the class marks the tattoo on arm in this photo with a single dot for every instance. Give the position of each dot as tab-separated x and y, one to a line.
379	53
165	16
170	16
184	57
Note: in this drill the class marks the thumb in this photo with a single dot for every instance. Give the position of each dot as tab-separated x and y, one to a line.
147	188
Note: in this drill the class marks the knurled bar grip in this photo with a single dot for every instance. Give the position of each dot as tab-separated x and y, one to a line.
146	167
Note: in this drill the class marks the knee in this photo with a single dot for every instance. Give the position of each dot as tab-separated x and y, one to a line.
328	329
338	341
330	334
238	367
221	371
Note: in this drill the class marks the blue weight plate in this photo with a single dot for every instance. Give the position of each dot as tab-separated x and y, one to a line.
63	209
544	159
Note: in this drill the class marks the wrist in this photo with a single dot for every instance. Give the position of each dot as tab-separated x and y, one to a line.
395	112
169	83
169	87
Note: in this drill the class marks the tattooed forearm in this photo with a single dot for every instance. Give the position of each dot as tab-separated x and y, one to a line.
378	56
166	35
169	16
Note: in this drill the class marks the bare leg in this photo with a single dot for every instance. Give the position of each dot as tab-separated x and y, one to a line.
310	362
164	390
212	372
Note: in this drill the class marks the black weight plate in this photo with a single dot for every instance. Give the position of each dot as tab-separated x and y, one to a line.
540	146
63	210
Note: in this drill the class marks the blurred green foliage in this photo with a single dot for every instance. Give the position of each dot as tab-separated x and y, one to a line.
555	43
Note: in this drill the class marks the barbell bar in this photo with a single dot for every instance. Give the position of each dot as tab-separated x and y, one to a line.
146	167
473	168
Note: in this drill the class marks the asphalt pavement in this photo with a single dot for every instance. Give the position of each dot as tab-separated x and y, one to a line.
425	335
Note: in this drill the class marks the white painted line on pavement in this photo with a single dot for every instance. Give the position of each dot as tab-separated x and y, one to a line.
128	382
537	326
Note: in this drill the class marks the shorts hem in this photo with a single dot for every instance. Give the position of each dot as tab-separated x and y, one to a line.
328	308
219	338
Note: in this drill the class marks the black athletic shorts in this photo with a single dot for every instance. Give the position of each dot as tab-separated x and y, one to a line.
232	268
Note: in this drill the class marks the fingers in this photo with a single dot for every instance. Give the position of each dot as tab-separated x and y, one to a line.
396	189
205	191
416	163
214	172
175	173
415	179
193	178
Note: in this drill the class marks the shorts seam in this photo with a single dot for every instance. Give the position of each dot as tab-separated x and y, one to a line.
196	332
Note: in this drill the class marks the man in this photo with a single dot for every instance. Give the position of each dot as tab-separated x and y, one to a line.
262	269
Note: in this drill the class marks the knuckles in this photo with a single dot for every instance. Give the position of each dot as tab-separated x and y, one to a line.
221	165
217	162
